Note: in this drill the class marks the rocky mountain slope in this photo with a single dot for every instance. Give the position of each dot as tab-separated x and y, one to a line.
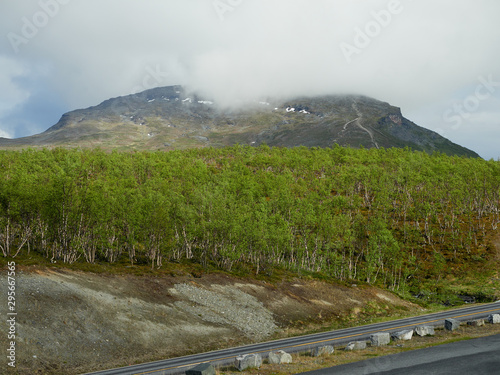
168	118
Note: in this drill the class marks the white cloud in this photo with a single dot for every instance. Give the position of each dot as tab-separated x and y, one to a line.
426	53
4	133
11	94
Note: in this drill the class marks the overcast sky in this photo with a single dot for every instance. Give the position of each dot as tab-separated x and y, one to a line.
439	60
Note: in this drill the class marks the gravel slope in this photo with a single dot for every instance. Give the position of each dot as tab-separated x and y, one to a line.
72	322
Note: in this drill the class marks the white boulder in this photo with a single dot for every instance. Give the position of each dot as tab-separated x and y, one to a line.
279	357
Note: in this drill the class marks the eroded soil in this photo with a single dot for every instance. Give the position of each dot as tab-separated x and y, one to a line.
72	322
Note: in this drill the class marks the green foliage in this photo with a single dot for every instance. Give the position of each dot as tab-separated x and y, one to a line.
385	216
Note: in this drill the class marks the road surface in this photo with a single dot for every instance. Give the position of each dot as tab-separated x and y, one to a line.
302	343
471	357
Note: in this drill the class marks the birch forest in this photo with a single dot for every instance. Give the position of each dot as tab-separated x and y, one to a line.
380	216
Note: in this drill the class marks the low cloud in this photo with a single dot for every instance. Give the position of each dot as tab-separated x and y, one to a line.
4	134
413	54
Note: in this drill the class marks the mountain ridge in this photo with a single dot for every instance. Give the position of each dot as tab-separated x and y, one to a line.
171	117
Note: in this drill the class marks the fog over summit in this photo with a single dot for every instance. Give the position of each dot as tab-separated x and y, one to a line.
426	57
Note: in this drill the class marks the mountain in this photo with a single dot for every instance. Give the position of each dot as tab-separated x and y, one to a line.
168	118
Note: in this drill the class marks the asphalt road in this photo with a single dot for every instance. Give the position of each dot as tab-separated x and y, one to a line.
302	343
472	357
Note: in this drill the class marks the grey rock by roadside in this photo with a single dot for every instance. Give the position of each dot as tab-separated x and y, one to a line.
402	335
323	350
356	345
380	339
279	357
476	323
424	331
202	369
451	324
248	361
494	319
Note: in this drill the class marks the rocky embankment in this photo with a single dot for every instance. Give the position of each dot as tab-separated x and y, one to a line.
73	322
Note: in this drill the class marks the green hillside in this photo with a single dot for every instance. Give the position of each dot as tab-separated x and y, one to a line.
397	218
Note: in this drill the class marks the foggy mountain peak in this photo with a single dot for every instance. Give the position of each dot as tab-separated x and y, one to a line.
174	117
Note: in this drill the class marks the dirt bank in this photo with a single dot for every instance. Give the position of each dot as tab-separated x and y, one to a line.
72	322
